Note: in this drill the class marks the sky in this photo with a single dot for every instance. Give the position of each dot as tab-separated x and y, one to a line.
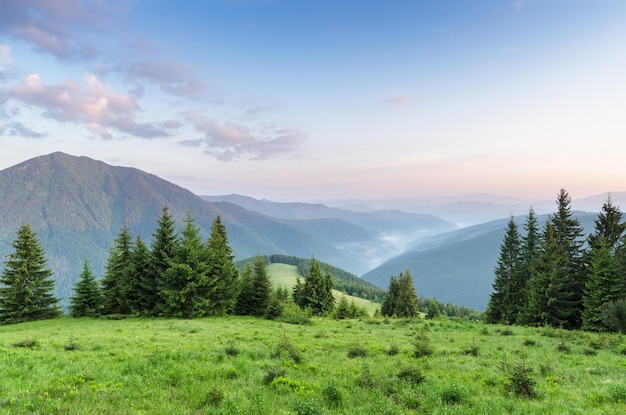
308	100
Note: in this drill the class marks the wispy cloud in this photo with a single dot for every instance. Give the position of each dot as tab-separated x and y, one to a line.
92	103
229	141
16	128
172	76
397	101
54	26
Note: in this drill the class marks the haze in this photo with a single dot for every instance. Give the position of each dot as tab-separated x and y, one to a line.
313	100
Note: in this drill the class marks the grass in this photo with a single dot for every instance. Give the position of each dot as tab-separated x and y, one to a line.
240	365
283	275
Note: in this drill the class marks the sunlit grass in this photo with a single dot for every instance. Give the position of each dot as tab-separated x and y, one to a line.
239	365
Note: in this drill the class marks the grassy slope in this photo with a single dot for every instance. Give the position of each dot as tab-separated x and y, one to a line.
285	275
220	366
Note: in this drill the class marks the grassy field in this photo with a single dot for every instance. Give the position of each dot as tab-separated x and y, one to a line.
239	365
284	275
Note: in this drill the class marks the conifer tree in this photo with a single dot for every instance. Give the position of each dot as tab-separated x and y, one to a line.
141	271
342	308
243	306
222	269
187	286
328	300
317	291
504	302
604	266
529	255
116	282
388	306
87	300
298	291
261	288
26	282
406	303
162	249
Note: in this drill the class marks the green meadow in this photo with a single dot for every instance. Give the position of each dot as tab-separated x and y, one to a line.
242	365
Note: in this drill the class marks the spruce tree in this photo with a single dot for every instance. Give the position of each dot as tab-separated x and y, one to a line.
298	291
261	288
162	249
529	255
87	299
187	285
116	285
406	303
317	290
141	271
342	308
504	302
26	282
388	306
243	306
222	269
328	300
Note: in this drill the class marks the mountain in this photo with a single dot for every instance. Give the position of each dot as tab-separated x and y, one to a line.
458	267
78	205
373	236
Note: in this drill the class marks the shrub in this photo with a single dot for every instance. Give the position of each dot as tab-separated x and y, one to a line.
70	346
563	348
621	349
332	395
366	379
453	394
357	351
422	345
472	350
412	375
617	392
273	373
520	381
231	350
214	396
307	407
27	344
393	350
506	332
529	342
285	346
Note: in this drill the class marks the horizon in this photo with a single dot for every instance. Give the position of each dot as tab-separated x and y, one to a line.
318	101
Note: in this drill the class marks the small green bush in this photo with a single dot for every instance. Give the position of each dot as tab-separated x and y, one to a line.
520	381
393	350
215	396
621	349
563	348
506	332
357	351
231	350
27	344
412	375
617	392
273	373
332	395
453	394
422	345
307	407
529	342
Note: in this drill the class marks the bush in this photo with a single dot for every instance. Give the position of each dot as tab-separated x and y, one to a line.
412	375
453	395
285	346
617	392
422	345
332	395
273	373
307	407
520	381
357	351
393	350
215	396
231	350
27	344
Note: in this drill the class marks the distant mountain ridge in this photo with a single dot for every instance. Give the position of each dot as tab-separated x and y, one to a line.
78	205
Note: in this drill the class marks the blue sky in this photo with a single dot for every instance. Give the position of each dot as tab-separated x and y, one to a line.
315	100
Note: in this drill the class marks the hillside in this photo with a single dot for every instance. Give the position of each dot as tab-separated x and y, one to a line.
457	267
77	206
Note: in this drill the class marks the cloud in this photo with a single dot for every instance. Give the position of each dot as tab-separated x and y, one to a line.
397	101
171	76
92	103
16	128
55	26
229	141
519	4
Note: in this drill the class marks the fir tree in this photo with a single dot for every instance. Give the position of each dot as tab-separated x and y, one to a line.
317	291
505	301
342	308
261	288
529	255
26	282
243	306
388	306
87	300
298	291
406	303
141	271
187	286
116	282
328	300
222	269
162	250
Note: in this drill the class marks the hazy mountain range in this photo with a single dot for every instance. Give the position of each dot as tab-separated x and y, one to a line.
78	205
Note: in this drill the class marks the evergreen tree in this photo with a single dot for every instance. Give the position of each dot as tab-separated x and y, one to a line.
342	308
298	291
243	306
187	286
504	302
604	285
388	306
261	288
317	291
569	234
116	282
26	282
222	269
406	304
529	255
604	265
551	298
87	300
141	270
162	249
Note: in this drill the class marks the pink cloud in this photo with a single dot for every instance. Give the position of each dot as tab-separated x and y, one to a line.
228	141
92	103
397	101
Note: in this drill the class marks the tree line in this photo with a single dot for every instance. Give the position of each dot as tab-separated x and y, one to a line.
177	275
557	277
